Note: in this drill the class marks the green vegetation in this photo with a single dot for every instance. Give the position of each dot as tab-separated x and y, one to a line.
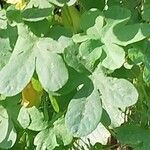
75	74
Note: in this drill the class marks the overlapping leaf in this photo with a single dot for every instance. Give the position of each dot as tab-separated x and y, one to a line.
121	34
99	135
28	119
90	51
139	53
44	48
95	30
18	72
7	129
86	119
117	94
48	138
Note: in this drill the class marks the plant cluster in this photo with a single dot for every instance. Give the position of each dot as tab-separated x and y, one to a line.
75	74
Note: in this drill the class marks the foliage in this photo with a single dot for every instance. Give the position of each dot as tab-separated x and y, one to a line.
74	74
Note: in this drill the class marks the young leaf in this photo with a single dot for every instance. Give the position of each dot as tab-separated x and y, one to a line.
54	103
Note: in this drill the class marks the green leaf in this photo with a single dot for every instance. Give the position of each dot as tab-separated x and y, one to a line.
36	85
19	70
13	15
79	38
90	51
55	46
95	29
121	32
57	31
70	86
24	118
8	38
49	138
61	131
117	94
35	27
39	4
4	123
88	4
113	2
36	14
137	137
92	14
131	33
115	56
5	52
10	33
146	12
95	32
28	119
45	140
117	14
136	55
146	75
37	123
3	19
72	58
10	103
54	75
54	103
99	135
7	129
88	116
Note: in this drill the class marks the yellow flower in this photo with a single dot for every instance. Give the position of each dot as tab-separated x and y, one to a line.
20	4
30	96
